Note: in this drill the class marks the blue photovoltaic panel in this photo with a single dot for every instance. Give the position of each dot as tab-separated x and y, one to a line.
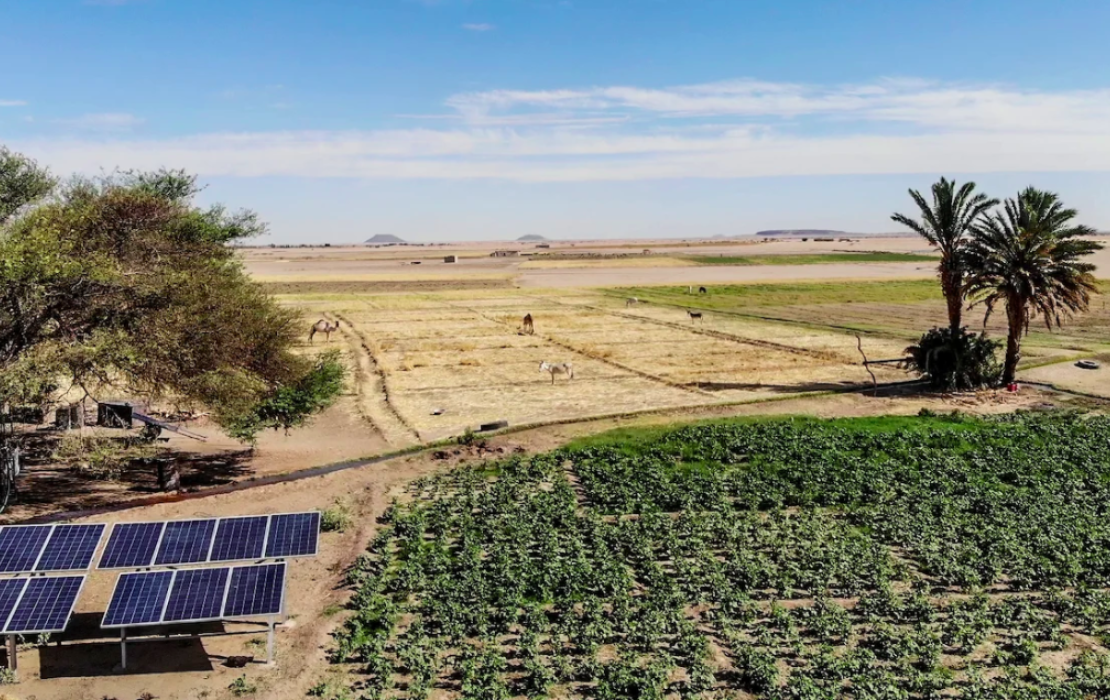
71	547
239	539
131	545
197	594
45	606
185	542
10	588
255	590
293	535
138	599
20	547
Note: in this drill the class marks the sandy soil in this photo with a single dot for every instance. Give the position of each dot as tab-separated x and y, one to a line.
1067	376
363	263
84	664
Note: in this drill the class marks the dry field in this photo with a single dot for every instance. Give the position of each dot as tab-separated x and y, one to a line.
431	365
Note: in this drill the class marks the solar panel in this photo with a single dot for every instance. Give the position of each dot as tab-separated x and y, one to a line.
197	594
293	535
139	599
131	545
45	605
20	547
185	542
10	590
70	548
256	590
238	539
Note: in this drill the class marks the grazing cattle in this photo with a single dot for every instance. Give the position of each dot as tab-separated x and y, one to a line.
554	368
323	326
631	301
702	290
694	315
527	326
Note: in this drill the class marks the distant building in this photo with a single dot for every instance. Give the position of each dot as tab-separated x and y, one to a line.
504	253
450	258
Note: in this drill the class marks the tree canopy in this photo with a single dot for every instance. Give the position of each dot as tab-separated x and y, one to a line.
125	286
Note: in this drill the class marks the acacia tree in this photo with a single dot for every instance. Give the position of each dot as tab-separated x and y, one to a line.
124	285
945	224
1030	258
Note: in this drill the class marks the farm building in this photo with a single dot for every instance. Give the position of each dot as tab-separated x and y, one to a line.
450	258
504	253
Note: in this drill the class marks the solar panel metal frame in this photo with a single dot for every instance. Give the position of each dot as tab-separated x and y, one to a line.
315	549
69	613
100	562
223	603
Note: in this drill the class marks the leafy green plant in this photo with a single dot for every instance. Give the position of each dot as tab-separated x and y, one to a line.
337	518
241	687
955	362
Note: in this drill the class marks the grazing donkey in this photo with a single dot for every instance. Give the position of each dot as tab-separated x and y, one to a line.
694	315
323	326
554	368
702	290
527	326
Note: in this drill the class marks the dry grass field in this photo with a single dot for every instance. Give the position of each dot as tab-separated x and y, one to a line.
437	348
431	365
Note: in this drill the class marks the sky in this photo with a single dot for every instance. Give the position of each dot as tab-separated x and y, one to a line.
441	120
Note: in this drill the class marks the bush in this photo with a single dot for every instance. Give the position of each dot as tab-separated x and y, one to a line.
241	686
337	518
103	457
961	363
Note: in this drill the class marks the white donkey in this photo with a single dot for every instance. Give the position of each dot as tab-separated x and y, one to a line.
554	368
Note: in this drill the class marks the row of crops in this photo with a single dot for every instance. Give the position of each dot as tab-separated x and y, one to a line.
896	558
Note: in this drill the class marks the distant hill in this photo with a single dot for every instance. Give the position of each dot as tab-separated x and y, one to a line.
531	237
384	238
793	233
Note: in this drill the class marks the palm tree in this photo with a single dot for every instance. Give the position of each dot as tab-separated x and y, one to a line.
1029	257
946	224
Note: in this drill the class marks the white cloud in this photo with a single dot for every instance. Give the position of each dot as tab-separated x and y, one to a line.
105	121
478	27
717	130
13	103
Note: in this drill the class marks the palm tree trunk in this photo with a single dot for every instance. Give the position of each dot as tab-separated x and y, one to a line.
1016	321
951	283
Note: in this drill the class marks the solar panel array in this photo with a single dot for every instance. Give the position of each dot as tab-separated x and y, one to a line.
212	540
48	548
37	605
196	595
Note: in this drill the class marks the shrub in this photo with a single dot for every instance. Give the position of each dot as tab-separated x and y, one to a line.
961	363
337	518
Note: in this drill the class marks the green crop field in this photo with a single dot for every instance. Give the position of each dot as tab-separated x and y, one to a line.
812	259
890	558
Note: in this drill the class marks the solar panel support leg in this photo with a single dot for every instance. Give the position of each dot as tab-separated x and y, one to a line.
13	656
270	644
123	647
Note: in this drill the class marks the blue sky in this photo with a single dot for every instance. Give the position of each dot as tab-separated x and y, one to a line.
482	119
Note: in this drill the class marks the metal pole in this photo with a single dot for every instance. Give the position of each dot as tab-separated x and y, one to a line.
270	644
13	656
123	647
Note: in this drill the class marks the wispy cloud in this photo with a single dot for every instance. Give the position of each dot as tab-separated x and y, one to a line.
478	27
105	121
13	103
717	130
